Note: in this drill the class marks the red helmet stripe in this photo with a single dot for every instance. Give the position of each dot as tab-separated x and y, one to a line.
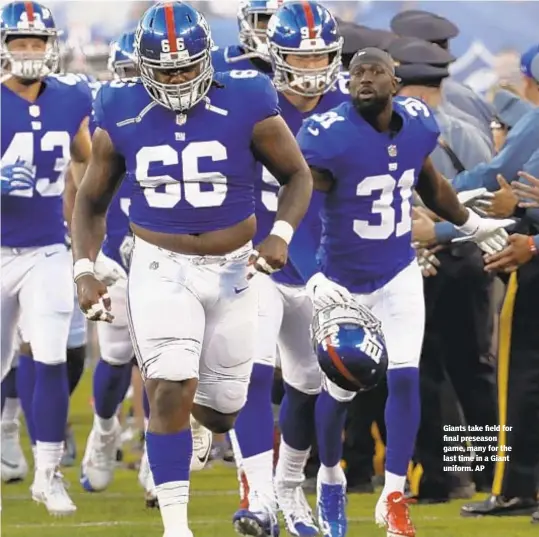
29	8
338	363
309	17
171	30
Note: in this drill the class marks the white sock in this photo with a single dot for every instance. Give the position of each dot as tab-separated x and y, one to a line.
146	421
259	472
34	454
11	410
393	483
48	455
331	475
291	464
173	499
104	425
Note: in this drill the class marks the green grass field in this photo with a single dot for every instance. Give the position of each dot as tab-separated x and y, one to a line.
120	511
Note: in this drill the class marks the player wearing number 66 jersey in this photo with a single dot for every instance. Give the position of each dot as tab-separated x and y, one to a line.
191	142
368	155
44	125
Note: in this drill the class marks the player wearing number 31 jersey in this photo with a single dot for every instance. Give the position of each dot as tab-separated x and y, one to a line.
44	125
191	142
368	155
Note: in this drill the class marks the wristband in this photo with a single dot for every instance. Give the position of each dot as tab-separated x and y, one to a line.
471	225
532	245
82	267
284	230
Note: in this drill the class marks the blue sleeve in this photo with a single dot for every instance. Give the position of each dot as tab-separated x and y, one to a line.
313	141
446	232
99	116
263	99
518	148
532	167
304	245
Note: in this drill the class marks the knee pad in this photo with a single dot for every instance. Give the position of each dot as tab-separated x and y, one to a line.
227	396
175	361
343	396
117	353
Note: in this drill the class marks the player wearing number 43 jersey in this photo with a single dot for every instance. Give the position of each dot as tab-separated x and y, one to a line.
368	155
192	314
304	47
44	124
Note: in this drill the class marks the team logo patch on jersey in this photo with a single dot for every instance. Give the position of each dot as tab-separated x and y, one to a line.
181	119
392	151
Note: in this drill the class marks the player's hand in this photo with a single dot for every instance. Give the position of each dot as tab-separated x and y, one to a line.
527	193
478	199
504	201
516	253
428	262
18	176
324	292
488	233
270	256
94	299
422	227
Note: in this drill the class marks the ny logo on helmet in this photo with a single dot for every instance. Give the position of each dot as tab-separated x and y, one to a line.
38	24
371	347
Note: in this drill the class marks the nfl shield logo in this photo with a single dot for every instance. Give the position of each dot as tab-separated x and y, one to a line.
181	119
392	151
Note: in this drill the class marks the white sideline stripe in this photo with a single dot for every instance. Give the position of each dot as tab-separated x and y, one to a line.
196	522
116	495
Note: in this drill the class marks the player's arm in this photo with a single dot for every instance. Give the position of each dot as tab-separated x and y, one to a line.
70	191
322	179
81	149
103	176
438	195
276	148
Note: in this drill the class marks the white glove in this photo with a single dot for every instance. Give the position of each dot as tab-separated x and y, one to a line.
428	262
126	249
483	231
477	199
495	242
324	292
107	270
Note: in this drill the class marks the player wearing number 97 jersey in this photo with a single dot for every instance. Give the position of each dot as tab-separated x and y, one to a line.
44	125
190	141
368	155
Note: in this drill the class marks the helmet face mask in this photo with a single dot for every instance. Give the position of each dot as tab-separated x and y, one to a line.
253	18
177	75
29	44
122	61
315	45
350	346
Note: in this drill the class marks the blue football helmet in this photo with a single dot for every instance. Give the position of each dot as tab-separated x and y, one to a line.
350	346
173	37
304	29
122	58
253	16
23	20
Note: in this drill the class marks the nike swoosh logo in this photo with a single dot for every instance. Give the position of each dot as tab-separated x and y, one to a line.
9	464
50	254
314	132
204	458
238	291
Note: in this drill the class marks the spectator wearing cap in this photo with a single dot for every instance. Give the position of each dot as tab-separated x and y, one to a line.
514	488
357	37
458	298
438	30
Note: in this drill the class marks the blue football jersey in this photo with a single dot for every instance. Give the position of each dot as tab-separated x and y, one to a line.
191	173
307	237
38	136
366	217
230	58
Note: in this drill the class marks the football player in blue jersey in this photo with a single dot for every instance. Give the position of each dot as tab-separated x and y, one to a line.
191	312
45	124
305	50
367	155
252	53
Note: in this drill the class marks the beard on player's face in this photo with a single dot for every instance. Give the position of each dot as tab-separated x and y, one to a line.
371	106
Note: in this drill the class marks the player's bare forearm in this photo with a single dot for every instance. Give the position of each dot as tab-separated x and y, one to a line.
102	178
69	197
438	195
81	150
275	146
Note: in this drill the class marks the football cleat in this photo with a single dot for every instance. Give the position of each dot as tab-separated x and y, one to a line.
99	462
393	513
202	441
14	466
296	511
49	489
145	478
331	506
